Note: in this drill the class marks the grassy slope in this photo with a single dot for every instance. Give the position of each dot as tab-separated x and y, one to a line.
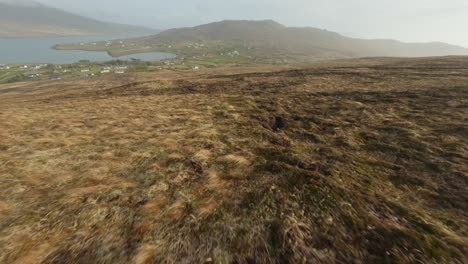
356	163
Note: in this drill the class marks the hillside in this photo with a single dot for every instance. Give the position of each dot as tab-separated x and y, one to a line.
269	41
31	19
358	161
272	36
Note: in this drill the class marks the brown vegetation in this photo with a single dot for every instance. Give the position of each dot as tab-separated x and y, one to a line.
362	163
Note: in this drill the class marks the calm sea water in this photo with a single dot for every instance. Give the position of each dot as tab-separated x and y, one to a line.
39	50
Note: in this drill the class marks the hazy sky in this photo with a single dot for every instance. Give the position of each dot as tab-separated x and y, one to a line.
407	20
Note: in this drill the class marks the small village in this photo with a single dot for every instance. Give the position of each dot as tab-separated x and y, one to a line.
192	56
33	71
25	72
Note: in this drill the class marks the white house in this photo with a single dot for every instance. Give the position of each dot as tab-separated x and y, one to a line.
234	53
85	70
34	75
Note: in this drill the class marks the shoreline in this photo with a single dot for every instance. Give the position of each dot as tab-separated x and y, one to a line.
114	54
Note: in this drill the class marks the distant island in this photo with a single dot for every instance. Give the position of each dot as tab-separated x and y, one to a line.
264	41
32	19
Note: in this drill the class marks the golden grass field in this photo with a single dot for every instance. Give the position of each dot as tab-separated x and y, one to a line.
362	161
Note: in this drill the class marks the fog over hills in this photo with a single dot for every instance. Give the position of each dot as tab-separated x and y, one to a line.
28	19
269	38
24	3
409	21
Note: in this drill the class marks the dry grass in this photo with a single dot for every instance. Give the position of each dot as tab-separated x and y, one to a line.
352	162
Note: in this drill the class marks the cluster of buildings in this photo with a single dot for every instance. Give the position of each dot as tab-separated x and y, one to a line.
195	45
168	62
87	74
232	53
58	69
105	70
33	67
108	43
34	75
121	69
56	72
116	69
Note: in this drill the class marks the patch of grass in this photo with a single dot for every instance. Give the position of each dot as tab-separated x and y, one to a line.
348	162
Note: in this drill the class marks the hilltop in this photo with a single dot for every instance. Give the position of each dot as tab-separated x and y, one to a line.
271	36
269	41
32	19
357	161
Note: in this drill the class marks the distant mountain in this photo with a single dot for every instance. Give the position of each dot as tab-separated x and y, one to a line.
21	18
269	38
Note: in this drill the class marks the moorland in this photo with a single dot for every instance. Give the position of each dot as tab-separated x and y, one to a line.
351	161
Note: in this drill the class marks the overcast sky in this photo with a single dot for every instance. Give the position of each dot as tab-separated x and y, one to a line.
407	20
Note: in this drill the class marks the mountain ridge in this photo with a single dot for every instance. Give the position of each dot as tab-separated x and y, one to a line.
303	40
33	19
